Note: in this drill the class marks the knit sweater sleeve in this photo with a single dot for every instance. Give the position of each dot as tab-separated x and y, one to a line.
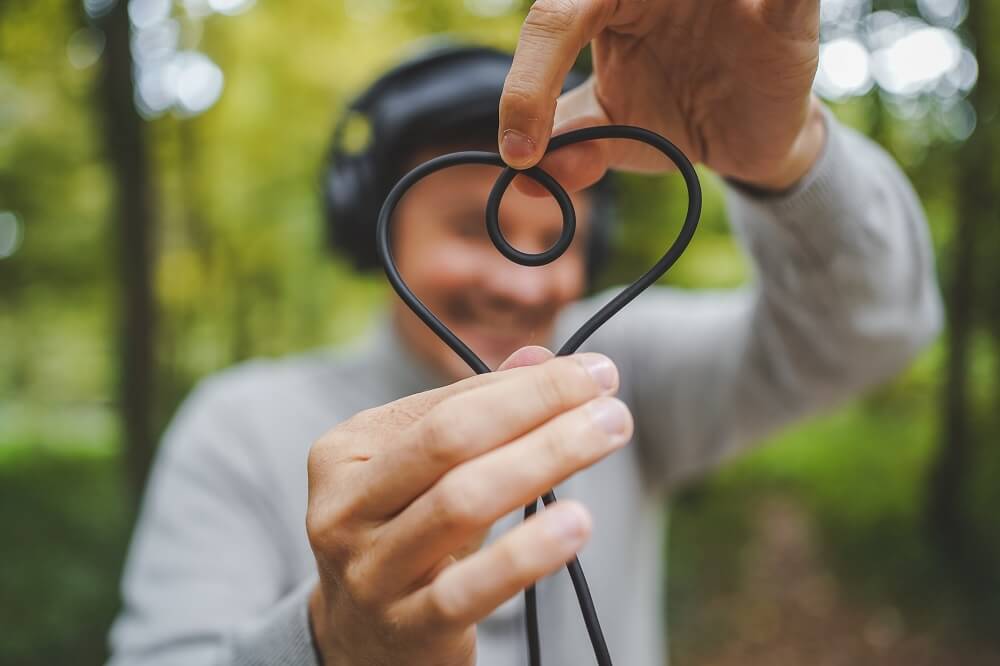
205	580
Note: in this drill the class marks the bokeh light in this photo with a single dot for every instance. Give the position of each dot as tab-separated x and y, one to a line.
197	81
168	79
98	8
490	7
917	60
11	234
944	13
230	7
188	82
844	69
841	12
85	47
917	64
147	13
196	8
156	44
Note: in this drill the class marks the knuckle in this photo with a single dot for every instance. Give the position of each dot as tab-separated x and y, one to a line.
522	99
331	448
459	503
555	443
549	17
316	531
446	604
394	623
322	452
520	94
358	584
332	528
316	461
511	562
560	383
588	436
438	435
328	537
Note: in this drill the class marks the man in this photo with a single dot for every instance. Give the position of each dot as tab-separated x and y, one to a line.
363	509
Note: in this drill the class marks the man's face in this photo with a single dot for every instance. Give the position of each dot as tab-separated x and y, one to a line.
446	257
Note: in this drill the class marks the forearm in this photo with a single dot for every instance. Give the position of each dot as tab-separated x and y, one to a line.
846	252
844	294
846	291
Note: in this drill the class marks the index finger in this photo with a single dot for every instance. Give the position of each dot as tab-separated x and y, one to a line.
400	413
552	36
414	406
471	423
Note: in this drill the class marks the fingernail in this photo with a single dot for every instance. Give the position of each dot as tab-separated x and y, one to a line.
569	522
601	369
517	148
612	416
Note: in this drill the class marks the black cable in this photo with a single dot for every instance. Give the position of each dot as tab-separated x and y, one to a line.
503	181
531	608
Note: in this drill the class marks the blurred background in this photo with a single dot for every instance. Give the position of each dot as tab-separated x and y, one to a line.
160	220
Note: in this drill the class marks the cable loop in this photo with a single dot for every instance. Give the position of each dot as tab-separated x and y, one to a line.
549	255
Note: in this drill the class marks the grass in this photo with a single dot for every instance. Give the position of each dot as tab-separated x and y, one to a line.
861	475
65	522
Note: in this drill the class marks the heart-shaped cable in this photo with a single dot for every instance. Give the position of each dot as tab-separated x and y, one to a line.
503	181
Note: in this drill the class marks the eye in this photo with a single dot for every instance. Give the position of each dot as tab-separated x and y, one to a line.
469	226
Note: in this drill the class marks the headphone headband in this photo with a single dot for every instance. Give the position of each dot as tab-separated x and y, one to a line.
444	92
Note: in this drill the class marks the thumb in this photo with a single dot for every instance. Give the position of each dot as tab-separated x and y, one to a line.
552	36
579	165
532	355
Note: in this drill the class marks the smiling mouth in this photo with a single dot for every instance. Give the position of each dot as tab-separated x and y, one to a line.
497	339
496	332
502	336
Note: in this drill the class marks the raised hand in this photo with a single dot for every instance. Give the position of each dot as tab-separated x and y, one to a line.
728	81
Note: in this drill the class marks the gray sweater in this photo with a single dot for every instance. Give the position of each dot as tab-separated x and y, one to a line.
844	295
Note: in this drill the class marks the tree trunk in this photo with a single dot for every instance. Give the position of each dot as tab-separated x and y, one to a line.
951	471
134	226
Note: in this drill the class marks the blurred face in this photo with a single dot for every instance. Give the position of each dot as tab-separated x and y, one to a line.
446	257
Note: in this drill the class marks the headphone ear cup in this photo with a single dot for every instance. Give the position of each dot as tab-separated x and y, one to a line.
339	190
369	200
350	226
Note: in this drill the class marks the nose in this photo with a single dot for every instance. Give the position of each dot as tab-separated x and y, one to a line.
522	285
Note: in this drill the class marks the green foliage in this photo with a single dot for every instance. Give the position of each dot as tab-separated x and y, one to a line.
65	519
241	271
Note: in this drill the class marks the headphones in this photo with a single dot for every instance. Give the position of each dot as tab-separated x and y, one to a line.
444	92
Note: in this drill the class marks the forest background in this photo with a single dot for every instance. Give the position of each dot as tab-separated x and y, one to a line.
160	220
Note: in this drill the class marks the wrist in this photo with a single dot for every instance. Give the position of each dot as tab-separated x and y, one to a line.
801	157
319	628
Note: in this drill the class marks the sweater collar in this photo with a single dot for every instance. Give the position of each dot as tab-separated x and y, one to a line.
400	365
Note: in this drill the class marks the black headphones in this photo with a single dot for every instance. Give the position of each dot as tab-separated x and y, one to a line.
443	93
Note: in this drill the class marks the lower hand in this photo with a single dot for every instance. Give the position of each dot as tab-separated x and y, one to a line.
401	497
